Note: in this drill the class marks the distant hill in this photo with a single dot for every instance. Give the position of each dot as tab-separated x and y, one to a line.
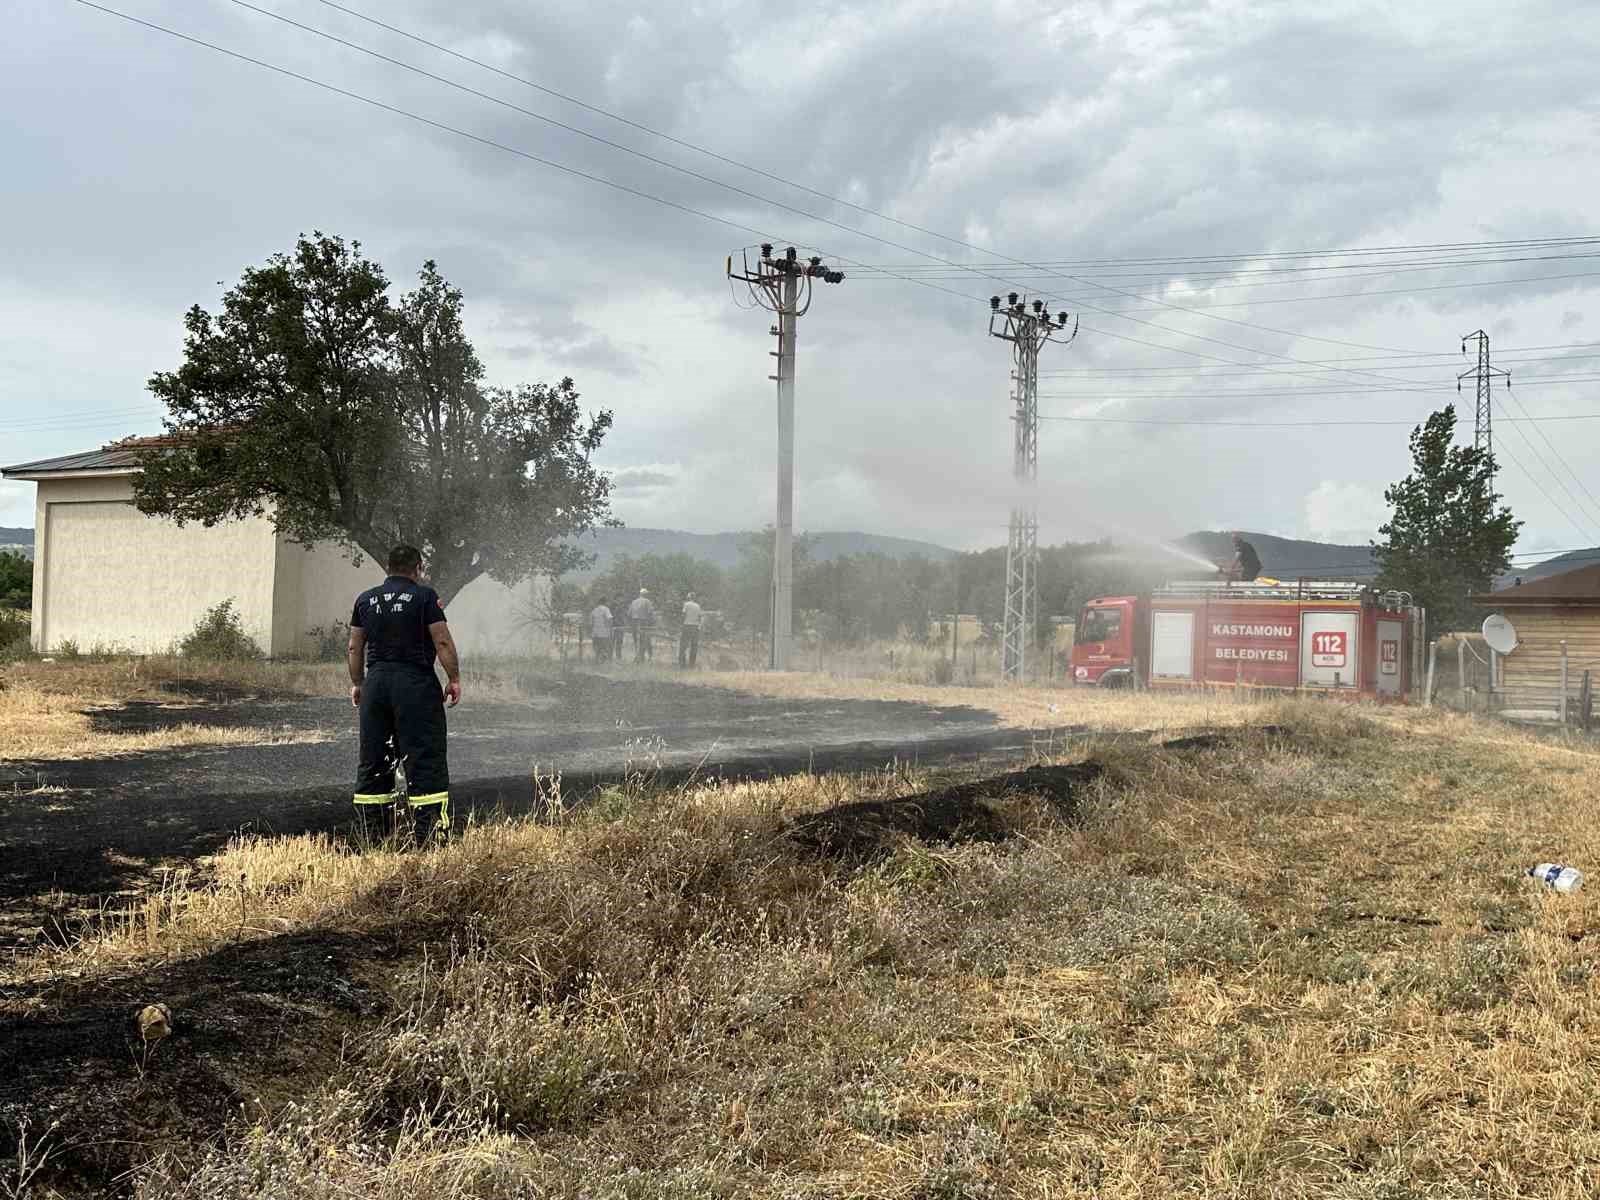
1289	558
1284	558
723	548
1569	561
17	539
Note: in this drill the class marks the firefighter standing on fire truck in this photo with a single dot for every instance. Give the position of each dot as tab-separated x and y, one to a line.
397	630
1246	564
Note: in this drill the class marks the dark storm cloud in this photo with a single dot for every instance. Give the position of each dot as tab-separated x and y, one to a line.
150	170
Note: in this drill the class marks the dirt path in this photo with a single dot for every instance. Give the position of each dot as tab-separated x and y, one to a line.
74	831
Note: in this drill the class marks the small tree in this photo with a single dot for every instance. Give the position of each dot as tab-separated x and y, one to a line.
1448	535
313	398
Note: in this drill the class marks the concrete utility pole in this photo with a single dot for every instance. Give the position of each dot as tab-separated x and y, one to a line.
1027	328
783	286
1483	374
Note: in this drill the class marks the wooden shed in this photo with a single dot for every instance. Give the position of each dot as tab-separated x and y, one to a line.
1546	613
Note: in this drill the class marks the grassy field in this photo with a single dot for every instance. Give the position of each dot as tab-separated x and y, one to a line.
1294	959
1033	707
47	709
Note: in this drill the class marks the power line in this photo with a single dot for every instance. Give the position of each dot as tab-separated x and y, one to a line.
68	426
420	119
1453	356
1248	373
805	188
1203	279
1289	254
1230	424
1576	478
790	208
1588	514
1534	479
578	173
1313	389
1201	309
1411	291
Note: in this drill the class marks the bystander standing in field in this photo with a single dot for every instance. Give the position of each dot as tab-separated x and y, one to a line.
397	631
600	631
642	619
689	639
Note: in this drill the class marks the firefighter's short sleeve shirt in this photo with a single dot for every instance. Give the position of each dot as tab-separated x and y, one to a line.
395	616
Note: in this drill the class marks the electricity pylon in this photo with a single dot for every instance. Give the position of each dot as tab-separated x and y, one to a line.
1027	328
783	286
1484	374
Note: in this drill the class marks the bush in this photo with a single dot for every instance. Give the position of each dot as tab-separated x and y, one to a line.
329	642
14	635
219	637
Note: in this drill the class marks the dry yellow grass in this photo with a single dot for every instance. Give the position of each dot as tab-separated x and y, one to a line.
47	707
1027	707
41	725
116	679
1299	965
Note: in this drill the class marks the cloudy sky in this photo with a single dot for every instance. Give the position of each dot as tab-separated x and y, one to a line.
1077	151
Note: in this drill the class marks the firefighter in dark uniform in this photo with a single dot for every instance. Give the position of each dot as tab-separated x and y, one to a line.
1246	564
397	630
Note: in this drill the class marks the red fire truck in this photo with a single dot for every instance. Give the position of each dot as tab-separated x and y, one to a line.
1304	635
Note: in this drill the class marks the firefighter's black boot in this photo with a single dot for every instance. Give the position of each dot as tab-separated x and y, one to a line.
432	822
375	822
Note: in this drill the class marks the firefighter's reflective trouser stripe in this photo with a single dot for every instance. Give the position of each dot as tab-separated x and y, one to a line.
406	705
432	813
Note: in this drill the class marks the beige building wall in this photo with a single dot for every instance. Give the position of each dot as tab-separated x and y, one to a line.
318	588
106	575
314	588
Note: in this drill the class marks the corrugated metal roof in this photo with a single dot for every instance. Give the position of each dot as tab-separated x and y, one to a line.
1581	585
114	456
109	459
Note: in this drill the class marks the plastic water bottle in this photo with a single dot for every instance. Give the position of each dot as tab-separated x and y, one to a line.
1554	875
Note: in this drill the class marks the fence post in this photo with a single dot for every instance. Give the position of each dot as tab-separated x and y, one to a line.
1461	669
1563	681
1585	703
1433	662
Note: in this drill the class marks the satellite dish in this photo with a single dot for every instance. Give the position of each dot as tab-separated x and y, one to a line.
1500	633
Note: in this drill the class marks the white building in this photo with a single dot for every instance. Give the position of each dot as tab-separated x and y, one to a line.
105	575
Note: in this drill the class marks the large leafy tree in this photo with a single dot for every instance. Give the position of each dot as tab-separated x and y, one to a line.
316	399
1448	535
